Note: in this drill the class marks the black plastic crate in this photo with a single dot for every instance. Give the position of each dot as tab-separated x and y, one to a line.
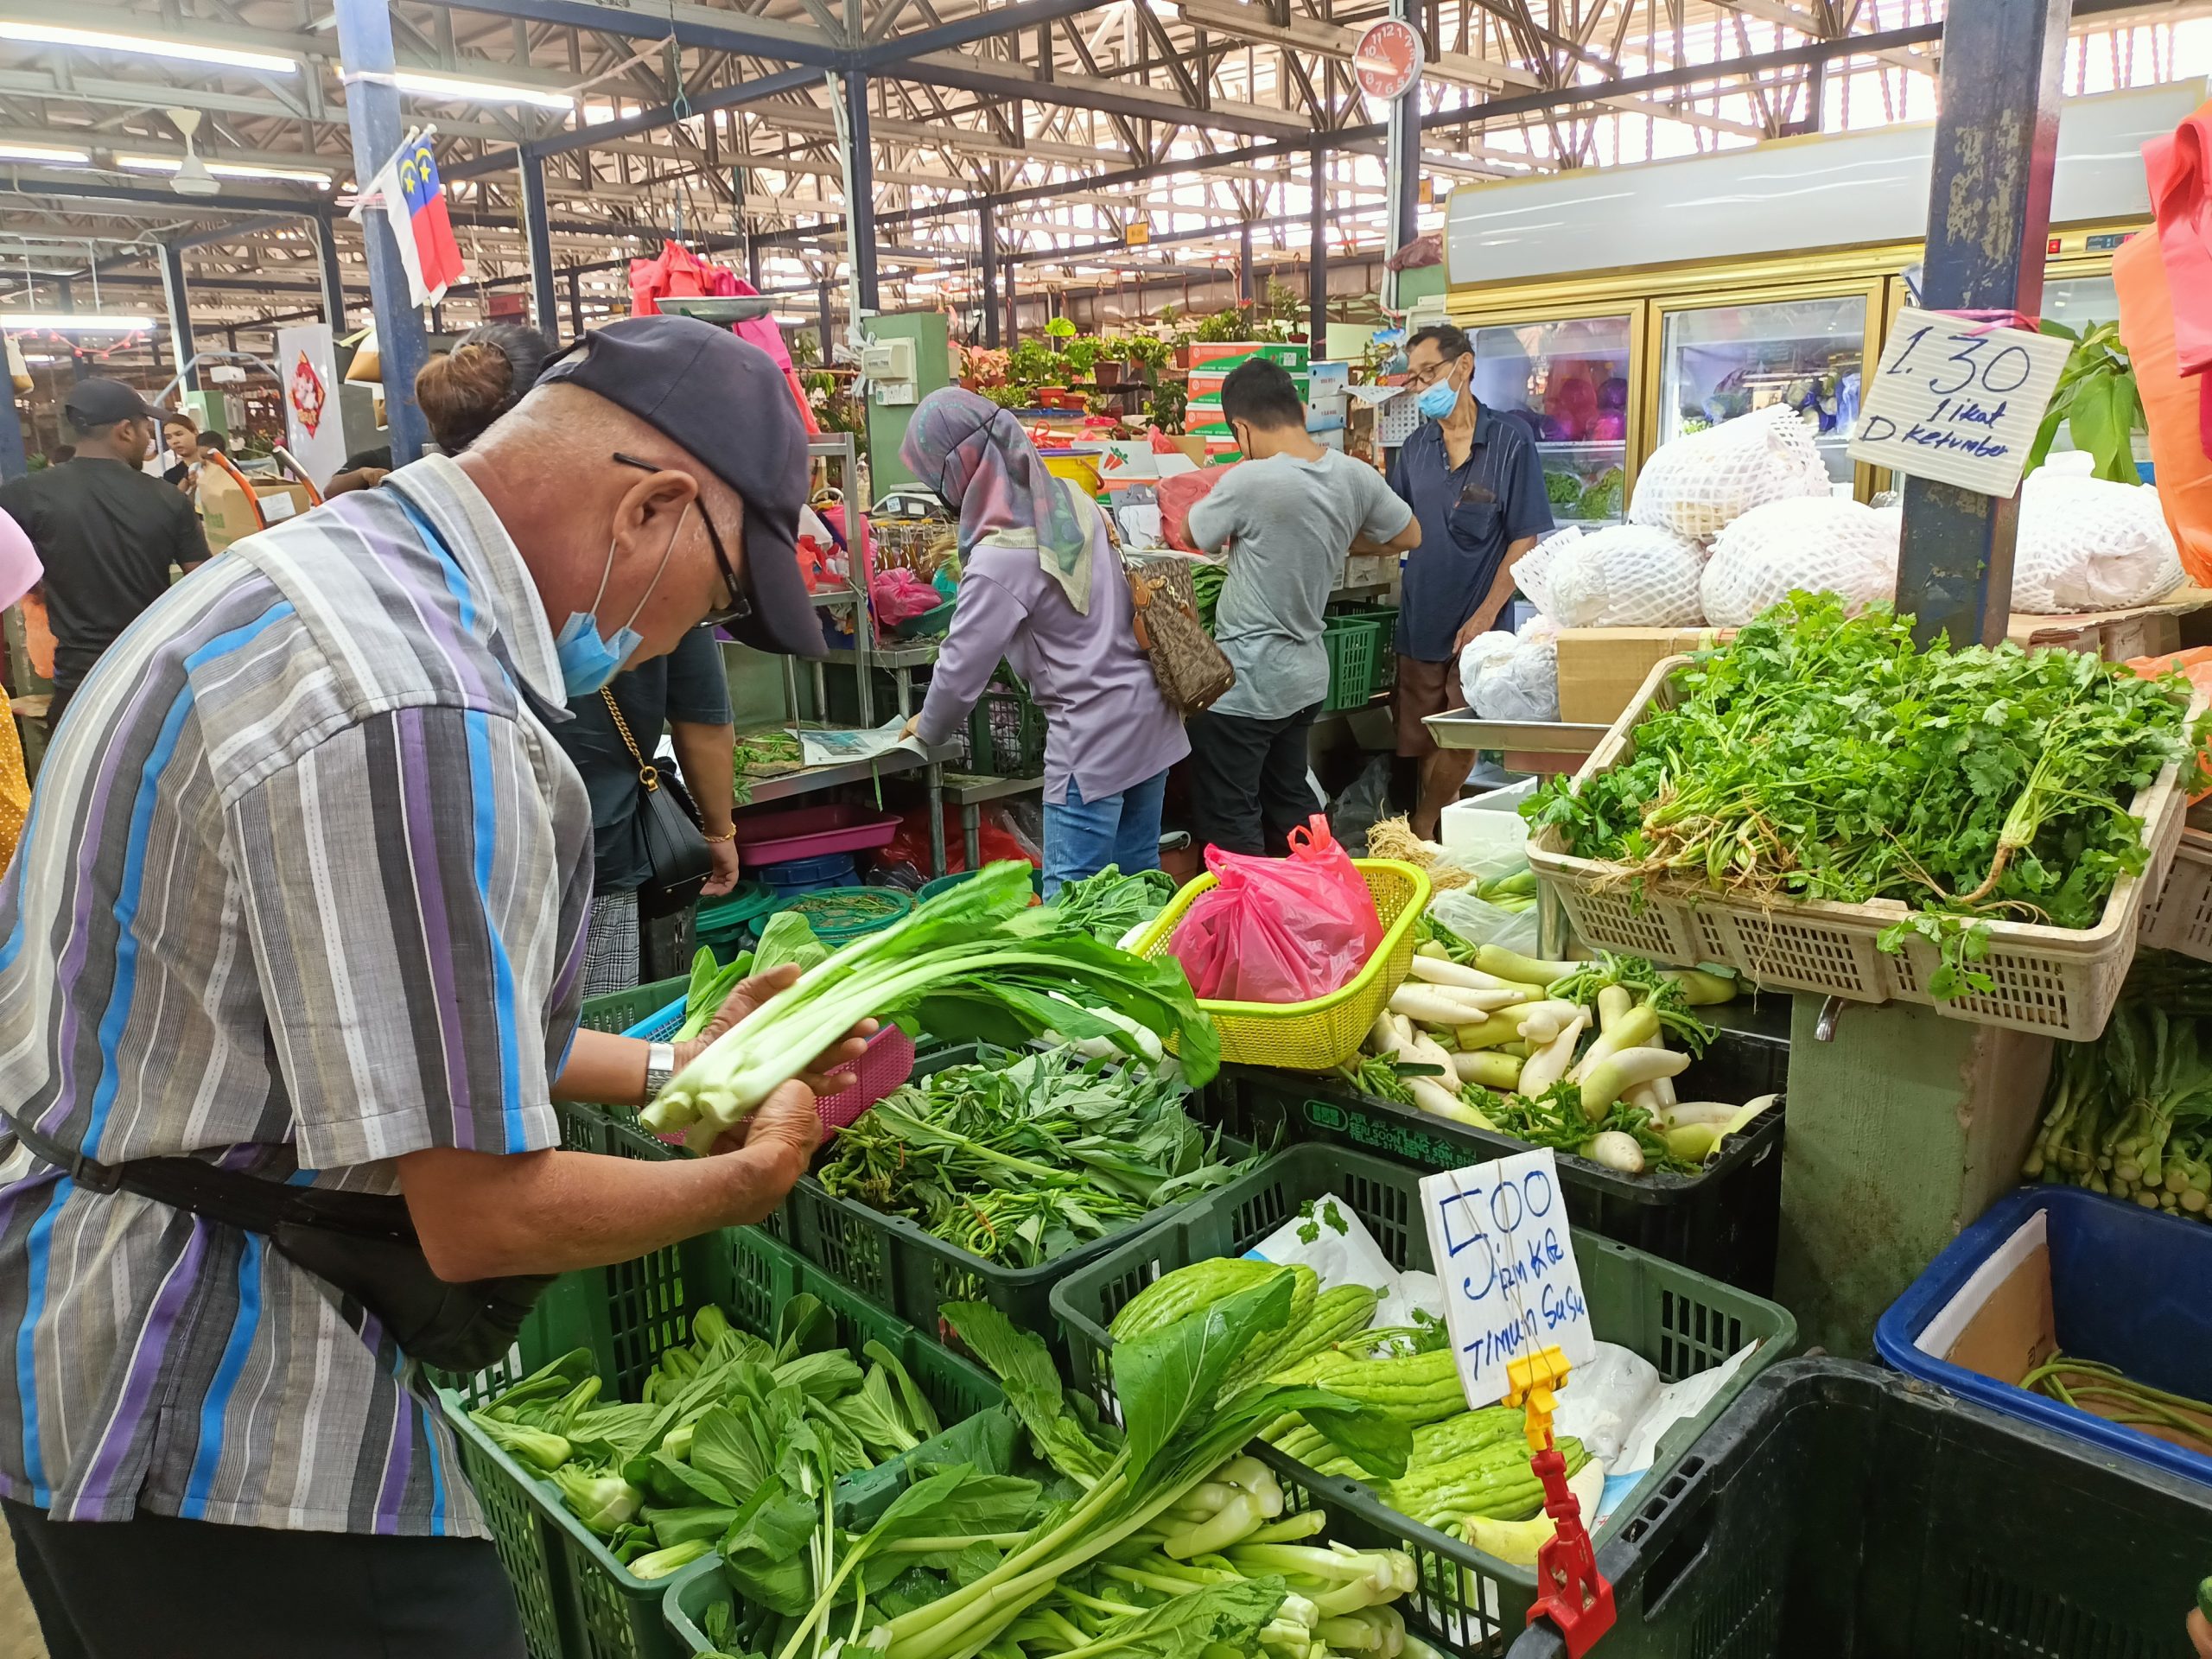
1723	1221
1847	1512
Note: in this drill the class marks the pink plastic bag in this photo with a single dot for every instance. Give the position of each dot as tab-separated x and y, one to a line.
1279	930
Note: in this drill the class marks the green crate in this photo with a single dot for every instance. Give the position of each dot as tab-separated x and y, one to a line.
577	1601
1352	646
1006	733
619	1010
860	1500
1681	1321
895	1264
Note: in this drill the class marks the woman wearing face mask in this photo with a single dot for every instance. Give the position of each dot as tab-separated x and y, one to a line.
1041	587
686	692
1474	482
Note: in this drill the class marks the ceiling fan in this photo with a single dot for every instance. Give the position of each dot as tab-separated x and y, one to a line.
192	178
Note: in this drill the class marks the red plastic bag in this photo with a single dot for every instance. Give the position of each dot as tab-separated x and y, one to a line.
1279	930
1179	493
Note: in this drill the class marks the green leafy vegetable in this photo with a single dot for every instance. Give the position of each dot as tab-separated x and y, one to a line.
1109	905
1821	756
788	937
974	961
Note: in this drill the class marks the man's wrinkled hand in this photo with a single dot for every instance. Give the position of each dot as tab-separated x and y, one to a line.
786	1122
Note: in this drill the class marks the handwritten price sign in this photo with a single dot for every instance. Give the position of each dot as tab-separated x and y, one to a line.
1958	401
1498	1236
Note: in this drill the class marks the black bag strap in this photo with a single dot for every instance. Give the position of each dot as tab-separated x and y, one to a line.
228	1196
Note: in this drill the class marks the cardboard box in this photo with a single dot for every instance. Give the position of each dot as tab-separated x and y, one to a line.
1601	670
2117	636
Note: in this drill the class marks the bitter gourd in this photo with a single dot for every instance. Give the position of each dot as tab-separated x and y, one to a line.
1173	1295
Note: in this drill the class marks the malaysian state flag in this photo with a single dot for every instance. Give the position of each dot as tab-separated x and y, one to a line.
415	204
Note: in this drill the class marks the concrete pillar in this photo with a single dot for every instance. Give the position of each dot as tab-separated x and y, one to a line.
373	112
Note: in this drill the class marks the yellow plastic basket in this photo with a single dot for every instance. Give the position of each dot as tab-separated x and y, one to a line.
1324	1033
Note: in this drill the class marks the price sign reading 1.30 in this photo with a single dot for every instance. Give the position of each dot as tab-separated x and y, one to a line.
1498	1236
1958	401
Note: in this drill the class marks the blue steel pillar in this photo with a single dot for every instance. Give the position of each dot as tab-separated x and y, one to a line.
373	111
576	304
1244	261
538	234
180	307
860	212
1988	213
334	277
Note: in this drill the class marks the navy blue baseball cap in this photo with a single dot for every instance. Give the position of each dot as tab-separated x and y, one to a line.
727	403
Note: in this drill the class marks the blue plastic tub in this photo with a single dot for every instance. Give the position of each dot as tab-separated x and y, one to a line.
797	875
2129	1288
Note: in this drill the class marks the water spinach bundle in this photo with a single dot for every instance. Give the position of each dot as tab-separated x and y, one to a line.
1821	756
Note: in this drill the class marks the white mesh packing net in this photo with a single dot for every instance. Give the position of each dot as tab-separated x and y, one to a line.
1533	575
2090	544
1626	576
1698	485
1820	544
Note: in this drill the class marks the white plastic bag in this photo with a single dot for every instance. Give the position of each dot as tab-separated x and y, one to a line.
1626	576
1820	544
1604	1399
2088	543
1330	1238
1699	485
1508	676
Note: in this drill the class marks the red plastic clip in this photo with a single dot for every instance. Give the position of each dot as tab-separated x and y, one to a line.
1577	1602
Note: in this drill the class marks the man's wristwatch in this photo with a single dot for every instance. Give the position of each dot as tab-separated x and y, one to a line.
660	1066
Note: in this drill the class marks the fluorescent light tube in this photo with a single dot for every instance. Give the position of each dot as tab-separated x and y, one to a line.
224	169
101	39
55	154
73	323
454	89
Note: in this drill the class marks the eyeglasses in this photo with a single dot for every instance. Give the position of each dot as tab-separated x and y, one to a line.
740	607
1422	379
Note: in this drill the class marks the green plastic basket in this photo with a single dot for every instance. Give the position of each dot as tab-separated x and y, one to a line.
860	1500
728	919
577	1601
1681	1321
620	1010
1006	733
1351	646
895	1264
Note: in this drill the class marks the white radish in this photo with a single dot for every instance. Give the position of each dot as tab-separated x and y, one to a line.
1548	1064
1684	1113
1614	1003
1488	1068
1419	1048
1635	1029
1383	1037
1447	972
1433	1097
1435	1005
1615	1151
1602	1083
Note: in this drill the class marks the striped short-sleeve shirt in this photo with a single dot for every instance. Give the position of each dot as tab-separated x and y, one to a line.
302	890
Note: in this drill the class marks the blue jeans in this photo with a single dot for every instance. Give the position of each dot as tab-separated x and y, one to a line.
1083	837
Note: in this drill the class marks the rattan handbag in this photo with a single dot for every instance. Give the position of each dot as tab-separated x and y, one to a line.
1192	672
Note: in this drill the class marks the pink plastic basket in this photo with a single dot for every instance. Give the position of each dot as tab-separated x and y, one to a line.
812	832
887	1063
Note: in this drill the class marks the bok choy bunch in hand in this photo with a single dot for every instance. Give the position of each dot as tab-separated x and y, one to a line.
975	963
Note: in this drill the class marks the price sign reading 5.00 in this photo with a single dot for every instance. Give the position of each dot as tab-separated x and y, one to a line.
1958	401
1498	1236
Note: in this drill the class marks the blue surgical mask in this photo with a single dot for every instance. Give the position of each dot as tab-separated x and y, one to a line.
1440	399
588	659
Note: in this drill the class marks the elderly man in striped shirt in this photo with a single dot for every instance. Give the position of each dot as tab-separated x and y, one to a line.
302	901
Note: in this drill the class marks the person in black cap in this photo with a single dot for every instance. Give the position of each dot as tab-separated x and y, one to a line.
311	882
640	932
107	532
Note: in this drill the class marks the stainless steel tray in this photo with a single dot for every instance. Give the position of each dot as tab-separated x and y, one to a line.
1463	728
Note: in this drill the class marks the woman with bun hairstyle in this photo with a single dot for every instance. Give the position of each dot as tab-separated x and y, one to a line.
685	692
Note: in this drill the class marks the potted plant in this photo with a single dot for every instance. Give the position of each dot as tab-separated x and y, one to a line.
1148	354
1060	331
1081	355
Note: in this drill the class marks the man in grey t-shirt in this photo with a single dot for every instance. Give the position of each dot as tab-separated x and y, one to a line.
1288	514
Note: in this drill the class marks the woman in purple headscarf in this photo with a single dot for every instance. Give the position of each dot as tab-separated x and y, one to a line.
1041	587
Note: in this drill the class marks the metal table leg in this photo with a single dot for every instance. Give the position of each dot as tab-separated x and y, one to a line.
936	777
971	833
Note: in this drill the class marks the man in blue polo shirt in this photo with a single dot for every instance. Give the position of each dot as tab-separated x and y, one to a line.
1474	482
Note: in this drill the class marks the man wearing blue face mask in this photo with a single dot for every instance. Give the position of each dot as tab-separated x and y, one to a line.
1474	482
290	962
